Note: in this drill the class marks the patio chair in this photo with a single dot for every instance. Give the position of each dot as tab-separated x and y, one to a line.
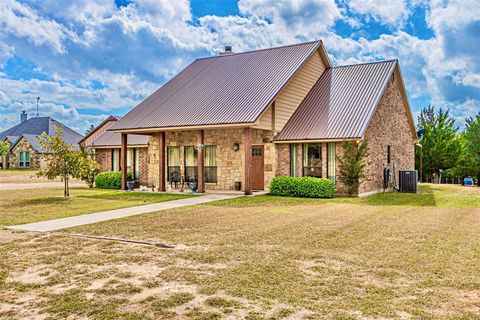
174	179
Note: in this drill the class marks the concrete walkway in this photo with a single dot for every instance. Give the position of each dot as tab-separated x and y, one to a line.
58	224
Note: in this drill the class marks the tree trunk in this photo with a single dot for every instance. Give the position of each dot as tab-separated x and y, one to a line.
68	188
64	186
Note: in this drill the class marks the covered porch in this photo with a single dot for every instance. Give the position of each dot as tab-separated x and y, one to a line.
218	159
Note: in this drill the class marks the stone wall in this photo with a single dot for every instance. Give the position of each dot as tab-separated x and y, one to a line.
389	126
230	163
35	158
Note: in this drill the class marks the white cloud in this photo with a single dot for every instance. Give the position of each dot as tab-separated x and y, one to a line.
387	12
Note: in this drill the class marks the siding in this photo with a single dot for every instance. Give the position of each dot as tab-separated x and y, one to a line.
265	121
88	141
296	90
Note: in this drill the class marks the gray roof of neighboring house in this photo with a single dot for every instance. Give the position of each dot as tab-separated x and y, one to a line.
112	139
226	89
37	125
341	103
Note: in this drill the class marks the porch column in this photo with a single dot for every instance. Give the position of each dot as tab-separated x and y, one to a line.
201	161
247	137
123	160
161	161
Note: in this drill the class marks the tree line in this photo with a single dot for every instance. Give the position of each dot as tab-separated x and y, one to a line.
448	153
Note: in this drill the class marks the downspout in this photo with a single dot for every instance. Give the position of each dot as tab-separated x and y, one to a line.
418	145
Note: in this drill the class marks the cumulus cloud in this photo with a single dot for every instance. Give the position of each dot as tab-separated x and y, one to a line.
93	58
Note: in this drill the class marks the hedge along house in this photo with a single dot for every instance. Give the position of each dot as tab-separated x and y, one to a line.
106	146
25	149
244	118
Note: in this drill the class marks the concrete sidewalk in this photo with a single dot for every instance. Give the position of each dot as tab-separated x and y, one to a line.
58	224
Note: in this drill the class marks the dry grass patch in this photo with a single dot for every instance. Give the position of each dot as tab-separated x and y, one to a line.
262	258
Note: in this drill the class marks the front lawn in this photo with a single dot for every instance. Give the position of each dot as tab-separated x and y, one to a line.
25	206
386	257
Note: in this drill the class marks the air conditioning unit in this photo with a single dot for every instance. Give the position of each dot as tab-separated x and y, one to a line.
408	181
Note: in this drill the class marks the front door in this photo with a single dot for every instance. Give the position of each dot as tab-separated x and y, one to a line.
257	168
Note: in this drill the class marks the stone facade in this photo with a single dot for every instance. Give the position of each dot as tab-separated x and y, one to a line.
230	163
35	158
389	126
104	158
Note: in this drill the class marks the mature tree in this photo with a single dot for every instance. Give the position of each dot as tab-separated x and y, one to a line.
472	137
62	159
90	129
352	165
441	146
89	168
4	147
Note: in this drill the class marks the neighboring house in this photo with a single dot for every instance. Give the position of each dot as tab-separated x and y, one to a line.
244	118
25	150
106	145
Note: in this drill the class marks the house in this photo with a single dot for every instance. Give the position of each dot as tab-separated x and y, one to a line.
25	150
106	146
240	119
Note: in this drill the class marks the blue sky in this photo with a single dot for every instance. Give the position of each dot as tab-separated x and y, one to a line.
87	59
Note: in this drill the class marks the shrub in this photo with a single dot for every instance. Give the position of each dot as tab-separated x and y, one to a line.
306	187
110	180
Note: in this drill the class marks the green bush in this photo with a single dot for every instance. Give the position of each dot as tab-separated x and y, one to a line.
110	180
306	187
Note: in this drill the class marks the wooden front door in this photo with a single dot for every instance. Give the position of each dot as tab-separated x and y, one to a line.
257	168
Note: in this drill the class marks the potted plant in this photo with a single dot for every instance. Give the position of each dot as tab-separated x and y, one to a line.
130	185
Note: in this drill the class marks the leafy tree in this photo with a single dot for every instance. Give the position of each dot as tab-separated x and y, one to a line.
441	145
62	159
4	147
89	168
90	129
352	165
472	137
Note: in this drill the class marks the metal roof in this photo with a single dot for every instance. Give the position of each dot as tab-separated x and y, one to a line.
227	89
341	103
109	118
112	139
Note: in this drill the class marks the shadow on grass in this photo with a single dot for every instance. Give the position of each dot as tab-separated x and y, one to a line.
39	201
425	197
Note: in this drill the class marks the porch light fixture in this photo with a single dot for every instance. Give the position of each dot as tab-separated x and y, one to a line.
236	147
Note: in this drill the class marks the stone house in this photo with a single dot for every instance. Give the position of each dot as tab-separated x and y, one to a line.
25	150
106	149
237	120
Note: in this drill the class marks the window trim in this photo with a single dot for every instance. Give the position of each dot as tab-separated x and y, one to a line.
331	165
293	160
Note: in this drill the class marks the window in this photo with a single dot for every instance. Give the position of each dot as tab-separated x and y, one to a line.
388	154
173	162
191	164
331	157
115	159
136	163
24	159
129	160
211	164
293	160
312	160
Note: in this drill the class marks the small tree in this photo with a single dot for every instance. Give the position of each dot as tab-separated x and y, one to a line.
4	147
352	165
90	129
62	159
89	168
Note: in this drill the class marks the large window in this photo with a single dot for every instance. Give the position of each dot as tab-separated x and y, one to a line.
115	159
24	159
136	161
173	163
211	164
293	160
191	164
312	160
331	157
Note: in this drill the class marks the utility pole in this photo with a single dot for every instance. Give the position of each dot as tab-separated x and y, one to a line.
38	99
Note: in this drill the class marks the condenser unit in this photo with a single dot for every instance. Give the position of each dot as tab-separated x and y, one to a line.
408	181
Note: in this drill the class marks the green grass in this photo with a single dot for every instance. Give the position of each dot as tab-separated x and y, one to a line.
451	196
385	257
25	206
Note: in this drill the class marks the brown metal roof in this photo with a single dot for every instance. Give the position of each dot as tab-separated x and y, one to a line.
112	139
109	118
341	103
227	89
